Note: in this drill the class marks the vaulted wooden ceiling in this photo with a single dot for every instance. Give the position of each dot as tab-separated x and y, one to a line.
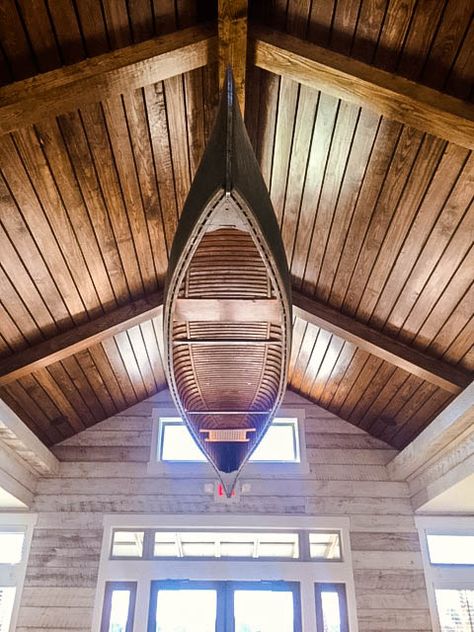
376	215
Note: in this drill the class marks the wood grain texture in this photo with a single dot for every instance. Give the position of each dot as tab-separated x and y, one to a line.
380	345
80	338
90	81
63	565
232	43
394	97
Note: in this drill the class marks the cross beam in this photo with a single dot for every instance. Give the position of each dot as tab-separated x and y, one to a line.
385	347
84	336
348	79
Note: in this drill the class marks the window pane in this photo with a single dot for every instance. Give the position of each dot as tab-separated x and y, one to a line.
456	610
128	544
186	611
325	546
120	604
11	547
178	444
279	443
451	549
263	611
7	599
222	544
331	611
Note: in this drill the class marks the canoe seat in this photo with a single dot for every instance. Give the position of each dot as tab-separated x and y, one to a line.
232	435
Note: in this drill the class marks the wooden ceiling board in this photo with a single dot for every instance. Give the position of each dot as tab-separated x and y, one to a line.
376	217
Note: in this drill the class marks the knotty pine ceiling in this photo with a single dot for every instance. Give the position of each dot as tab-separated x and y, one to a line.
376	217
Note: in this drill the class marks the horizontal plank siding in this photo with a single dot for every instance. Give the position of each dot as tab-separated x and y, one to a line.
103	470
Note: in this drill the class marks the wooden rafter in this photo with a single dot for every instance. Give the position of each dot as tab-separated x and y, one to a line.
416	362
232	43
82	337
346	78
52	93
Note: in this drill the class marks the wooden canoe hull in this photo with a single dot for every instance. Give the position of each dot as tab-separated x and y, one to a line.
227	310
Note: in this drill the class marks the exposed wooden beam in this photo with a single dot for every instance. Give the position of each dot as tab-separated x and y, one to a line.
19	438
424	366
59	91
393	96
442	433
232	43
79	338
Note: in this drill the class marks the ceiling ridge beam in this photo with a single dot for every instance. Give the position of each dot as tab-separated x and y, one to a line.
66	89
232	44
417	362
80	338
346	78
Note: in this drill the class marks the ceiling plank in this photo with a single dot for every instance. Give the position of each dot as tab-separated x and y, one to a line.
232	43
346	78
81	337
59	91
378	344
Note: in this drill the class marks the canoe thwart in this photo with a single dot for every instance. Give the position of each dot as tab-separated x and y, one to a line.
242	310
230	435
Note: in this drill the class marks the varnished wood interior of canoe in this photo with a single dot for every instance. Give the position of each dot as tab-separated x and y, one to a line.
231	366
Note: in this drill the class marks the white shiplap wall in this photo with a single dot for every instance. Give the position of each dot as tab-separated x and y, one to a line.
104	470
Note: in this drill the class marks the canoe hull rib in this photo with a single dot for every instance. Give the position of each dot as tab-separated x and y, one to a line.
227	311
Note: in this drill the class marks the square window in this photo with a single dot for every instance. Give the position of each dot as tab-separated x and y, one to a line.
127	544
325	546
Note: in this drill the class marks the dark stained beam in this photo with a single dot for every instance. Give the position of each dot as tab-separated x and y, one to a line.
59	91
84	336
392	96
81	337
232	43
378	344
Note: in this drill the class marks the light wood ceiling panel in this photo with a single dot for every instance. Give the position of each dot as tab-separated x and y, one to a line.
91	385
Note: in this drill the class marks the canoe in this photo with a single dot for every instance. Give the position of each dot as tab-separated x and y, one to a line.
227	308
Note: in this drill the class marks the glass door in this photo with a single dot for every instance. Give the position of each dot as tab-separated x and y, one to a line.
193	606
264	607
185	606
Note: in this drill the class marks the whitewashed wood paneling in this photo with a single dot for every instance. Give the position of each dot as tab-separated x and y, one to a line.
103	470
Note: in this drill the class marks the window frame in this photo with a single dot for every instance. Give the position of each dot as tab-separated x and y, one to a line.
306	573
13	575
252	469
107	604
443	576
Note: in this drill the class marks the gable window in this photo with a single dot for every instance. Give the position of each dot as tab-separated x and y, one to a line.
174	447
447	546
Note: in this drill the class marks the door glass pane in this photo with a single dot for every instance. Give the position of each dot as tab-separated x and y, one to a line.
331	612
119	608
263	611
456	610
7	599
186	611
